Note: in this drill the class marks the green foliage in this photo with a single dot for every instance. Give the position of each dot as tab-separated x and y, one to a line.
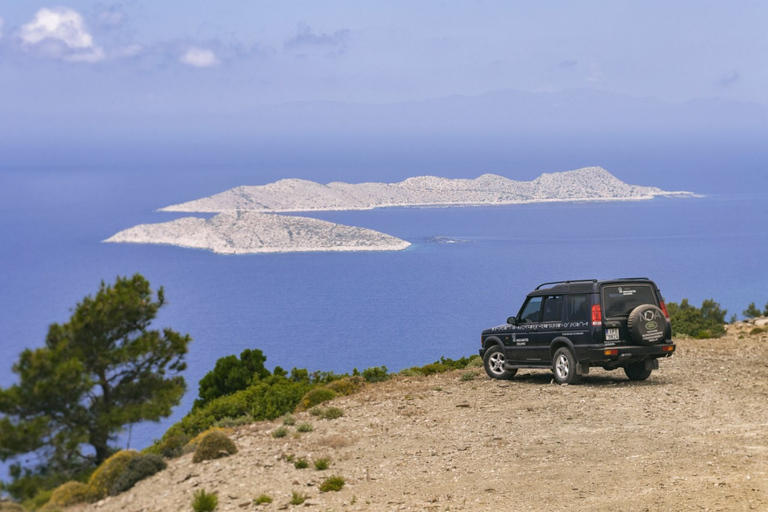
322	463
705	322
170	447
327	413
9	506
68	494
765	309
332	483
304	427
757	330
279	432
230	375
314	397
213	446
262	499
376	374
301	463
752	311
205	502
298	498
98	372
289	420
347	385
103	479
467	376
139	468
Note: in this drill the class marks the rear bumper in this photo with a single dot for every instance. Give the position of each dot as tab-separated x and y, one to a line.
623	354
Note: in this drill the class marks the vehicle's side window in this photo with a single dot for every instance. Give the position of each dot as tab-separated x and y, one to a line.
553	309
532	310
577	307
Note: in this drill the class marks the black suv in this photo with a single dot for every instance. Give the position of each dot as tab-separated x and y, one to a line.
569	326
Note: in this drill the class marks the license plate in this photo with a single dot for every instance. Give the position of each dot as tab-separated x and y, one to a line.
611	334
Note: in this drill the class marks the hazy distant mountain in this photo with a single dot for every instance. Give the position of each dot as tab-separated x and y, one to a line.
591	183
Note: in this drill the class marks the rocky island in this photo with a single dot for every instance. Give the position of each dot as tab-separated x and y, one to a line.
293	195
250	232
250	218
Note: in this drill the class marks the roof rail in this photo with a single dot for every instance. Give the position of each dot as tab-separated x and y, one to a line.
569	282
631	279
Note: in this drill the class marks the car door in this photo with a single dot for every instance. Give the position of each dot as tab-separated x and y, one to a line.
522	347
550	326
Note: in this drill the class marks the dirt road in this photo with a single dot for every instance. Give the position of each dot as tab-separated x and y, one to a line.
692	437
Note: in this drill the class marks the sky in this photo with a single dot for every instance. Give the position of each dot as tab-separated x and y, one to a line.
81	56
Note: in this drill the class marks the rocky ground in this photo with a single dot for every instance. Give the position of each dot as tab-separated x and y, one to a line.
692	437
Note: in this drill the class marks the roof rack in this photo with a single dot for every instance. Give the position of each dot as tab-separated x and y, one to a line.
593	281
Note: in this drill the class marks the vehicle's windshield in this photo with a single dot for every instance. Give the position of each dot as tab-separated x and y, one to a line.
620	300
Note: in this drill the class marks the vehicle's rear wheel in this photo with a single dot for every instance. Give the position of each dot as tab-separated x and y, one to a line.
494	361
646	324
637	371
564	366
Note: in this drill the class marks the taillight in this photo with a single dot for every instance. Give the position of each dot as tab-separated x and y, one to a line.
668	348
597	315
611	352
664	308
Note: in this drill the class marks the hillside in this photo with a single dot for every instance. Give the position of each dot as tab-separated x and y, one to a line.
692	437
587	184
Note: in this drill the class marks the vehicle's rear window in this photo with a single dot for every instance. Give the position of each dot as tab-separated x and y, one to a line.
620	300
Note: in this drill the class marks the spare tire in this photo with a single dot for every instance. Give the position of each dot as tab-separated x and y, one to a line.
646	324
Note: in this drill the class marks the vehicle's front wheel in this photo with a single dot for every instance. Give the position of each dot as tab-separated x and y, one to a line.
564	366
494	360
637	371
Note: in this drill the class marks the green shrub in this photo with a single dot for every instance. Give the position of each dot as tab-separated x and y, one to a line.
752	311
110	470
213	446
314	397
298	498
262	499
38	500
757	330
376	374
9	506
170	447
468	376
233	422
327	413
139	468
279	432
304	427
205	502
347	385
322	463
301	463
705	322
67	494
332	483
230	375
289	420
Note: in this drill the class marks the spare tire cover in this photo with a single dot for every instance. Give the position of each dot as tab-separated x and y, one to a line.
646	324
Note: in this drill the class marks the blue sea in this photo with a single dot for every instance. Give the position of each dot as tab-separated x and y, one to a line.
339	311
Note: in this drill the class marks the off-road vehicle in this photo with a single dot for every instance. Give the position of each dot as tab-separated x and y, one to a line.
570	326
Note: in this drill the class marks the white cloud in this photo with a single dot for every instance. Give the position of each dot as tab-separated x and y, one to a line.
199	58
61	32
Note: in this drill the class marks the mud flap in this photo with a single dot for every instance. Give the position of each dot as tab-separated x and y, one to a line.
651	364
583	369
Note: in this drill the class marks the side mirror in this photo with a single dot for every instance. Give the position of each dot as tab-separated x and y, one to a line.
512	320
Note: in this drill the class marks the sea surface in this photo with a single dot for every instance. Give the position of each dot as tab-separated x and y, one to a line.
339	311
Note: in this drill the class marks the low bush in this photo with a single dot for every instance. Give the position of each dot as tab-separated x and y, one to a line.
347	385
139	468
67	494
301	463
213	446
468	376
279	432
106	475
757	330
322	463
332	483
705	322
304	427
10	506
262	499
169	447
289	420
205	502
298	498
314	397
376	374
327	413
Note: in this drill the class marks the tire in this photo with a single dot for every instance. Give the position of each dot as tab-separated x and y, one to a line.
646	324
564	367
637	371
493	361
